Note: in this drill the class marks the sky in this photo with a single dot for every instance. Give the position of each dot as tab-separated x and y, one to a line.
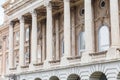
1	12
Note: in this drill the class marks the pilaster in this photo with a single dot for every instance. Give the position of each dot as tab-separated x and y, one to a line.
115	29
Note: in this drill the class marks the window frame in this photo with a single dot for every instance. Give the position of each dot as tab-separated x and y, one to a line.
98	40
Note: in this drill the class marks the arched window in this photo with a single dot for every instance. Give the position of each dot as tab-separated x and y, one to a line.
81	42
103	38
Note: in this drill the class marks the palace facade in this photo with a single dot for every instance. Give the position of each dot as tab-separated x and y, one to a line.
60	40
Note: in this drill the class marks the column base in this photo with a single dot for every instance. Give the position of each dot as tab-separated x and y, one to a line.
31	67
113	53
86	57
64	61
46	64
19	69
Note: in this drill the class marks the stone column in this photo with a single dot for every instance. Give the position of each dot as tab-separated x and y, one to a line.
49	32
67	28
67	33
4	56
89	32
73	33
22	33
89	27
43	41
34	38
11	64
115	30
57	39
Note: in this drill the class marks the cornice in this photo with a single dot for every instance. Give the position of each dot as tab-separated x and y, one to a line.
6	4
11	9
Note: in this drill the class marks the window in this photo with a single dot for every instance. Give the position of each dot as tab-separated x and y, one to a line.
62	47
82	11
17	37
0	44
103	38
102	4
81	42
27	34
7	63
7	42
27	56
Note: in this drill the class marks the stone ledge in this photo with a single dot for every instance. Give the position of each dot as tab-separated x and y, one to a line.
98	53
75	57
54	61
13	68
38	64
26	66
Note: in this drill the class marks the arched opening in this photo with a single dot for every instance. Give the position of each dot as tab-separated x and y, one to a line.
38	79
118	77
54	78
98	76
73	77
103	38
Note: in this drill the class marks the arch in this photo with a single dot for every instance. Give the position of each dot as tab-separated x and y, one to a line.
98	76
103	38
54	78
73	77
38	79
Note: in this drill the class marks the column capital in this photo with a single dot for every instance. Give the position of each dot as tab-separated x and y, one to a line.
4	38
66	0
46	2
21	19
11	23
33	12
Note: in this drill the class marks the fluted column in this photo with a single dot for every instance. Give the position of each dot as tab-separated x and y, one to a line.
34	37
49	32
89	27
57	39
67	28
22	33
11	64
115	29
